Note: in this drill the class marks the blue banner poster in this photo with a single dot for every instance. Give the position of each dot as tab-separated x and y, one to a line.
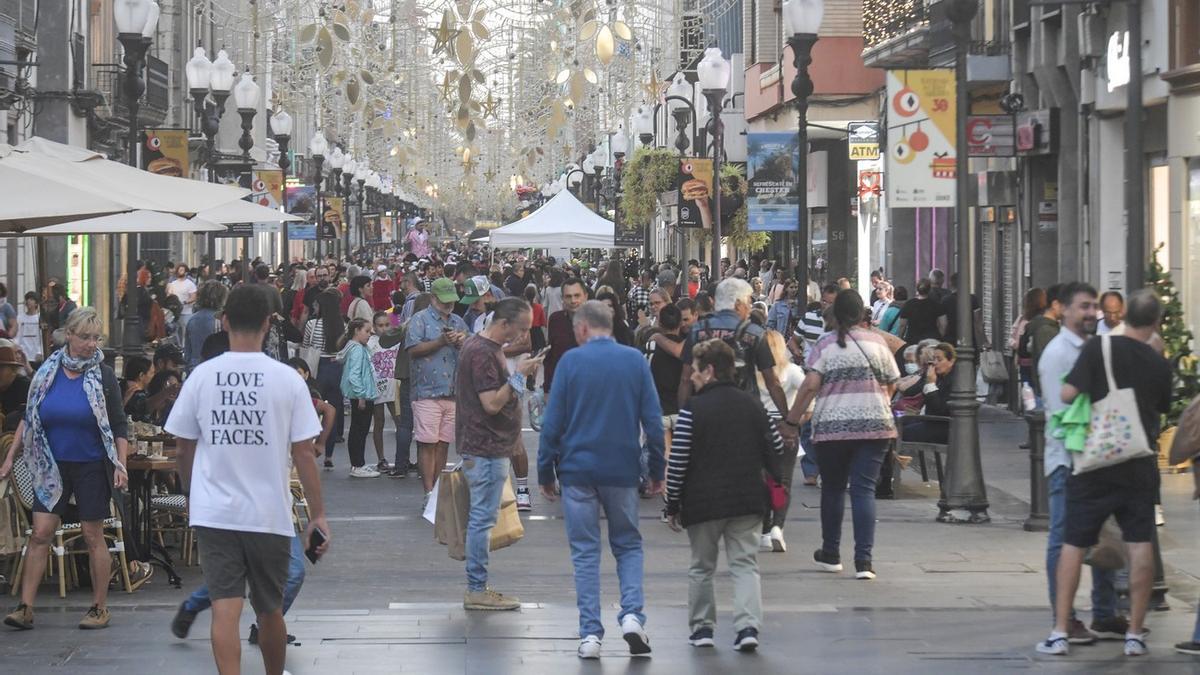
773	165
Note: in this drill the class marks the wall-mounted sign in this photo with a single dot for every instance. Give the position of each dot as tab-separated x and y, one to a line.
991	136
1037	131
863	140
695	192
772	170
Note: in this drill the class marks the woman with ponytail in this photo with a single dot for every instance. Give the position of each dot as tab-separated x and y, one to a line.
851	375
358	385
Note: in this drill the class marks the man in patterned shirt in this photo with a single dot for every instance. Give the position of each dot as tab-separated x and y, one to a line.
639	295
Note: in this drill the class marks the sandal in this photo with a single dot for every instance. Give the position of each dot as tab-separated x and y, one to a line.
383	466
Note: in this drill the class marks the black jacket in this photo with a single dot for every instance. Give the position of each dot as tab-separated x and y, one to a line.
722	444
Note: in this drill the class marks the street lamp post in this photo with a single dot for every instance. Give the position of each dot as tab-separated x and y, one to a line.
349	169
964	489
317	147
136	22
245	95
207	78
680	106
361	179
281	126
643	125
713	72
802	20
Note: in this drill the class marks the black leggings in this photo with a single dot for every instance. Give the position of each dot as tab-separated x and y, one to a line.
361	413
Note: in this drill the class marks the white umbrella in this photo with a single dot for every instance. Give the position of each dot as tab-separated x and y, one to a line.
139	222
242	211
44	183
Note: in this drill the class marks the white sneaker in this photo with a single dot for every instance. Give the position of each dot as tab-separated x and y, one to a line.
778	545
589	647
523	501
635	636
1055	645
1135	645
363	472
764	543
1160	518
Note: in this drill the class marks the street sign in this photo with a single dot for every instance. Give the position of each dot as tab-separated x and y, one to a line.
991	136
863	142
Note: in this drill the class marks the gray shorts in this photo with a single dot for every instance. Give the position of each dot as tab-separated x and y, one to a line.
230	559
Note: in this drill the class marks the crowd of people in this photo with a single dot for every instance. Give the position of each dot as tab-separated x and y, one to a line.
647	381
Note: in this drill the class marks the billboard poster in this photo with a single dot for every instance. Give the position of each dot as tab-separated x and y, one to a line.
921	138
302	232
627	235
302	201
387	228
165	152
772	167
371	232
332	219
695	192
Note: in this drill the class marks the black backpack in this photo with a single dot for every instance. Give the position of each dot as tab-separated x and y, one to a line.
743	361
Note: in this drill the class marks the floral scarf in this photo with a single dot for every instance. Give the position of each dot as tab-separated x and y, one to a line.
47	483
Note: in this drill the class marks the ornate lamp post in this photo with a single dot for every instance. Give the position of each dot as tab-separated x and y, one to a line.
136	22
679	104
317	147
245	95
965	488
802	20
349	168
361	179
713	72
336	159
643	125
281	127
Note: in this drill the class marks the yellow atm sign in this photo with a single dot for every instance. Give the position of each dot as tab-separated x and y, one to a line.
863	140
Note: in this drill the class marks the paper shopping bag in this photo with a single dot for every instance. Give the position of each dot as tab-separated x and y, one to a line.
453	503
508	529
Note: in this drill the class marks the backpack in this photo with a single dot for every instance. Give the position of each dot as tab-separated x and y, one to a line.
1025	344
743	362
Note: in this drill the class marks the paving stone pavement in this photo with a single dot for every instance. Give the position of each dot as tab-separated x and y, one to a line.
949	598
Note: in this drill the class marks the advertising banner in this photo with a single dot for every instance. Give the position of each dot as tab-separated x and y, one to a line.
627	235
991	136
334	216
387	226
165	152
267	190
921	138
695	192
772	168
371	232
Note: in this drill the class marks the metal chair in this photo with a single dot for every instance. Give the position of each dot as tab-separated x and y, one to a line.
174	509
64	534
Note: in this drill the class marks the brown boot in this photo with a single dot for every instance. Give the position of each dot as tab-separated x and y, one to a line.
21	618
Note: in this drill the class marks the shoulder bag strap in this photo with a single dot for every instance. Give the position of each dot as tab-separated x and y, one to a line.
870	364
1106	351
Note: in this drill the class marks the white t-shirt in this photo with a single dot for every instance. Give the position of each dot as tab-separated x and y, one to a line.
185	290
792	378
244	410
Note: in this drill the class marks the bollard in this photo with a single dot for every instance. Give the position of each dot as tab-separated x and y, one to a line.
1039	498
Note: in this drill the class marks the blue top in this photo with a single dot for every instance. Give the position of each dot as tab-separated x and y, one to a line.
433	376
202	324
358	375
602	400
69	422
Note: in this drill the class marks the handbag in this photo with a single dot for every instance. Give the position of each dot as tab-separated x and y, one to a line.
1186	443
991	364
1115	434
777	494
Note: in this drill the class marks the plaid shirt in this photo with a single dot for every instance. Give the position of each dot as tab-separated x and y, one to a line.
639	298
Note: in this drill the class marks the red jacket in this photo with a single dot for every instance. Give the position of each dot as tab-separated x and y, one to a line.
381	294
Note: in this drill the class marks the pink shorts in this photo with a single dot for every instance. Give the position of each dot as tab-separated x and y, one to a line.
433	420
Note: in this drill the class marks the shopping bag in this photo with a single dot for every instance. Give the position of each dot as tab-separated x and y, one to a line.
430	512
1186	443
312	357
508	529
1109	551
992	366
1115	434
453	503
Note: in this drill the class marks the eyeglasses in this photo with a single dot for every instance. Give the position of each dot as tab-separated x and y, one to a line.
88	337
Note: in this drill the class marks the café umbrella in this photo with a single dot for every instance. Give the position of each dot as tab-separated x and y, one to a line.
141	222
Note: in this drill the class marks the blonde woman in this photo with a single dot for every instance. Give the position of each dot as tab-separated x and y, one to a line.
790	376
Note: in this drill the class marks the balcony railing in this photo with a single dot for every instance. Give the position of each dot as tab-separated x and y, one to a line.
884	20
108	78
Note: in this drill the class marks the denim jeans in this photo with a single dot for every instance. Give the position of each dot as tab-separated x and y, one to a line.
808	463
199	601
329	384
856	462
581	512
1104	596
485	480
404	425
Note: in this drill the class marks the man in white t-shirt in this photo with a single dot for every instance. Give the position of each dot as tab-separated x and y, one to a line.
242	419
183	288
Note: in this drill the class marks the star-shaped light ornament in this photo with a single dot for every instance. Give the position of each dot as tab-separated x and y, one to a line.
444	33
653	88
489	175
447	87
490	104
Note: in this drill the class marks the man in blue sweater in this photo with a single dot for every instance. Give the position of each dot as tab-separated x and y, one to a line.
602	401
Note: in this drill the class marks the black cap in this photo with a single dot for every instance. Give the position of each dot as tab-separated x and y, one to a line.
168	352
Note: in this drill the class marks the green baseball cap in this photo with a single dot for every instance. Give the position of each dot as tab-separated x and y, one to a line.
443	290
475	288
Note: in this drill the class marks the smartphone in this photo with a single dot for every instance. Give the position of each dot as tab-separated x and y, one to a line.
542	352
318	537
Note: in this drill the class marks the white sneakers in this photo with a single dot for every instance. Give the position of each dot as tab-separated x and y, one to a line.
589	647
523	501
363	472
635	636
764	543
778	545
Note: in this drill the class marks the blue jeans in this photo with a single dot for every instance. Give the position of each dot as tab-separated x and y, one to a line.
199	601
856	462
581	512
404	425
808	464
329	383
485	479
1104	596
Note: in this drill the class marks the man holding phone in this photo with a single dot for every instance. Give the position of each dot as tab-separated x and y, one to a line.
239	418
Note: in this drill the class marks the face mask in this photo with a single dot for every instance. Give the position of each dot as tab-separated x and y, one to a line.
911	368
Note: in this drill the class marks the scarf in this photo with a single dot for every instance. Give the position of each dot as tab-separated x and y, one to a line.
47	483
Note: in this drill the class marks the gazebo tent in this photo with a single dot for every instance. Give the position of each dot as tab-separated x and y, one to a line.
562	222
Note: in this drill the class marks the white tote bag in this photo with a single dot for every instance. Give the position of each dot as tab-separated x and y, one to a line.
1115	434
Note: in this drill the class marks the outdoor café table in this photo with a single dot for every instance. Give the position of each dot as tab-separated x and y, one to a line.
141	485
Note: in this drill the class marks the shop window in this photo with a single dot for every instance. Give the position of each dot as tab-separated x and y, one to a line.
1160	213
1191	290
1185	33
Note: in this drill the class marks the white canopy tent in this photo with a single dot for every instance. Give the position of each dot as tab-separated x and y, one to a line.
562	222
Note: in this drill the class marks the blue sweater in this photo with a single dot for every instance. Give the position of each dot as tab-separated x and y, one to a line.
602	400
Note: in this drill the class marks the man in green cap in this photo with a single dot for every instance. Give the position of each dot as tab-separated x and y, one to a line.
477	295
435	334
